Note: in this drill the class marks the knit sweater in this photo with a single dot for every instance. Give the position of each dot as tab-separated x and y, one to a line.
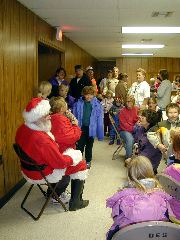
128	118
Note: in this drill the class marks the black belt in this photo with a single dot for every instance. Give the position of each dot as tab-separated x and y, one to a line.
30	167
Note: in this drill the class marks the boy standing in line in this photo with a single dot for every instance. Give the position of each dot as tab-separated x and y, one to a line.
89	113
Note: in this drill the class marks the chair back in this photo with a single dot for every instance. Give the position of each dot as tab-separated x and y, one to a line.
170	185
27	162
114	126
149	230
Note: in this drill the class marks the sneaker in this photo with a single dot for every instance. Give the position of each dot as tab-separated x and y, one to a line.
111	142
118	142
64	197
88	164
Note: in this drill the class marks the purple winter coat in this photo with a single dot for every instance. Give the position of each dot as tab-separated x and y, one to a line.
146	148
55	86
70	101
132	206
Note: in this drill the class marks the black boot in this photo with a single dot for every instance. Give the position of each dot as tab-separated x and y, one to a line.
61	186
76	201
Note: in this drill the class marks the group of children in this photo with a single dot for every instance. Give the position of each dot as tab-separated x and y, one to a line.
143	199
87	112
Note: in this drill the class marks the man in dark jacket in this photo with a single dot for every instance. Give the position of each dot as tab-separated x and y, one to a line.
79	82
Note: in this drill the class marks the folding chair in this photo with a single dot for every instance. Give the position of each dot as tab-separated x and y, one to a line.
118	137
170	185
30	164
149	230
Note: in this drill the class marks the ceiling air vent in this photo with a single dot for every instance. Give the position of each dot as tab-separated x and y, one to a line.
161	14
146	40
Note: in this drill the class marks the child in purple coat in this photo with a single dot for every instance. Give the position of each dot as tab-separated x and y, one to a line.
147	120
143	199
63	92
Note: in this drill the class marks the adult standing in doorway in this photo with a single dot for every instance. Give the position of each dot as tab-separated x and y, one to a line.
102	85
140	89
111	83
115	72
57	80
79	82
90	74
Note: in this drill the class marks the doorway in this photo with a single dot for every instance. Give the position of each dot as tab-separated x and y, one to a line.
49	59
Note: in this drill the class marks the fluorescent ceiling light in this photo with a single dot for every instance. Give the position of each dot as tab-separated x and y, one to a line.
150	29
137	54
142	46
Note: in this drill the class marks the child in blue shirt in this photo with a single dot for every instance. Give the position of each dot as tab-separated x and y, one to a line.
114	112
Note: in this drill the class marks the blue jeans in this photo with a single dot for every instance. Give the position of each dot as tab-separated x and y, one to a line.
129	142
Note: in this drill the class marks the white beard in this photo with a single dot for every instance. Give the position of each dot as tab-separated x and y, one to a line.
41	125
44	125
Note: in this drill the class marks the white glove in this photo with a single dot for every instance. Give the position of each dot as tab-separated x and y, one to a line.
76	155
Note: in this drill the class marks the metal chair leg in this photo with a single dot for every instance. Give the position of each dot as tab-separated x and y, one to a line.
117	151
53	193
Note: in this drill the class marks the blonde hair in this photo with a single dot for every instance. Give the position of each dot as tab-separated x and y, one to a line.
131	98
57	103
139	168
63	86
44	89
173	132
141	70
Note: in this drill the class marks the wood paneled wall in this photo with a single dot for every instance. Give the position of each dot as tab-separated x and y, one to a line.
150	64
20	31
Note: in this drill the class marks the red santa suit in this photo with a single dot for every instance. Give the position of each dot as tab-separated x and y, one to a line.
66	134
41	147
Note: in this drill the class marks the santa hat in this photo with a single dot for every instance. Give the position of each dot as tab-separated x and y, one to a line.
36	108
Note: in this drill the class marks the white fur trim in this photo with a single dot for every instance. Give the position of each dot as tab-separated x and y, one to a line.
54	177
81	175
33	126
51	135
76	155
36	113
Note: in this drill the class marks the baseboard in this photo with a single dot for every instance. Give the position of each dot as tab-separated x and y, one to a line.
11	193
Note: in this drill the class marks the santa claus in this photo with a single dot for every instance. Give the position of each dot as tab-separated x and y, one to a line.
36	140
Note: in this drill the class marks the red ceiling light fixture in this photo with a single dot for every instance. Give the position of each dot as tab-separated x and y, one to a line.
59	34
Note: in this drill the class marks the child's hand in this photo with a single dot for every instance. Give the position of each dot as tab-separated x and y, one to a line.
75	122
162	148
127	161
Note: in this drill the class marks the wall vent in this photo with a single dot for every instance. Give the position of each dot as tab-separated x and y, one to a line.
161	14
144	40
